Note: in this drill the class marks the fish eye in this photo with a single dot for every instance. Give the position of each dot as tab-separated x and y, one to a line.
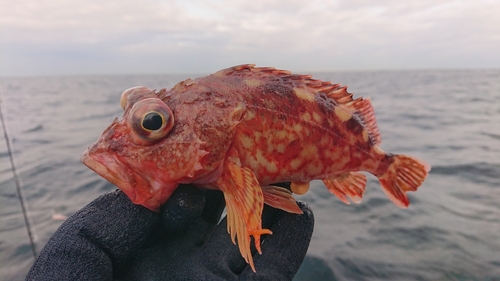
150	120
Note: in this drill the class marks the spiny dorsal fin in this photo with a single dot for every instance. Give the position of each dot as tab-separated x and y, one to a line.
361	108
366	114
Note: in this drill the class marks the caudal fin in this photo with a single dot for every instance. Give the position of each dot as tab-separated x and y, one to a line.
403	175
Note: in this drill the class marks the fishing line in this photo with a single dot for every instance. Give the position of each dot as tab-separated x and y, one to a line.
18	184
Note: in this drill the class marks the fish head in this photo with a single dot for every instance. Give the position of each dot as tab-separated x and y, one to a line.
131	152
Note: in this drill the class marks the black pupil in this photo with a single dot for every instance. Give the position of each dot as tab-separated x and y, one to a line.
152	121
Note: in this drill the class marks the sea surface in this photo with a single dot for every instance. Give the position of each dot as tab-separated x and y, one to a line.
450	118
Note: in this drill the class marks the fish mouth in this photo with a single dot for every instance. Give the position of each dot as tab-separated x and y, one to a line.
139	190
110	169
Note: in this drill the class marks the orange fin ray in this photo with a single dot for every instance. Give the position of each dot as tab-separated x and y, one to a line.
347	185
280	198
244	203
256	236
360	107
403	175
364	110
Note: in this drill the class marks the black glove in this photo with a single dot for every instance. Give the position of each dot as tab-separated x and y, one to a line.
113	239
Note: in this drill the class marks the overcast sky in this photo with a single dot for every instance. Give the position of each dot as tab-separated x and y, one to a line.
53	37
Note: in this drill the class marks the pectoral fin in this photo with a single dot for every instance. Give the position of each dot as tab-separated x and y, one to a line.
244	204
346	185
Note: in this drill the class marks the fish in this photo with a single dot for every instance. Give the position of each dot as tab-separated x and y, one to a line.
241	130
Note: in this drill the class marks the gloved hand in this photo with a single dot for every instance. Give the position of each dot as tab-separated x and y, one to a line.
113	239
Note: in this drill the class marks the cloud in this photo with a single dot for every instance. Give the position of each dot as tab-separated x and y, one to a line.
75	36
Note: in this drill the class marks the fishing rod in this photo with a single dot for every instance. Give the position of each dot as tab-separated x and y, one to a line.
18	184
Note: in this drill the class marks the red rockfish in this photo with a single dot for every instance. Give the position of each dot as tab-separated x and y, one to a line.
240	130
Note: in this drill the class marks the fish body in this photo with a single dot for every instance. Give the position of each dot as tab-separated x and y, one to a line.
242	129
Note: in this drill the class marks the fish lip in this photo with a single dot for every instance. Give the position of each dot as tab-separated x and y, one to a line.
150	194
112	170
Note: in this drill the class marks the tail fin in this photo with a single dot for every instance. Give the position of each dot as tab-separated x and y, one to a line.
403	175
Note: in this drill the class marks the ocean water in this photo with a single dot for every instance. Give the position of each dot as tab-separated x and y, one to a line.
450	118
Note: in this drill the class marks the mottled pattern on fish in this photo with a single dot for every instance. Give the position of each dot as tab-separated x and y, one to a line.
242	129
